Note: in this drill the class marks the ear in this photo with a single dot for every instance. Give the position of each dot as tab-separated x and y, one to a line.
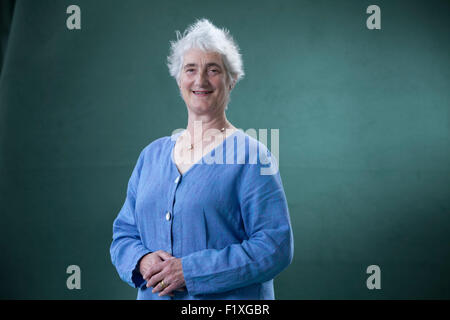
232	83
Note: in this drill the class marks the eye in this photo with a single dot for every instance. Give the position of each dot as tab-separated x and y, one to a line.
214	70
190	70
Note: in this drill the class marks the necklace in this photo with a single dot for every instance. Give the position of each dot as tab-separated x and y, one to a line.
191	145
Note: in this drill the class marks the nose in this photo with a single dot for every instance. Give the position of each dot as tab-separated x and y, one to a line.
201	79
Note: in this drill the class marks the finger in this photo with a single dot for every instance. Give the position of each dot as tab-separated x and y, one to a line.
155	281
168	290
159	287
153	269
165	255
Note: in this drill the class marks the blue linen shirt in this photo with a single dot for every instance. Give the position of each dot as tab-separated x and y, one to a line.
226	218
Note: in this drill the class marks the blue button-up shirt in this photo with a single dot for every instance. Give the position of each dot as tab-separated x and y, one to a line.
226	218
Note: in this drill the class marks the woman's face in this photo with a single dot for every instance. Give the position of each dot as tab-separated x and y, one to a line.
203	82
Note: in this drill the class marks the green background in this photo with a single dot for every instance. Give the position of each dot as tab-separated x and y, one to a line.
364	136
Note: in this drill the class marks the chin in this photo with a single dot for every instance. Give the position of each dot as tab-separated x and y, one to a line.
202	108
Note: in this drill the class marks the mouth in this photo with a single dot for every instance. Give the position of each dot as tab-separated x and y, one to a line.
202	93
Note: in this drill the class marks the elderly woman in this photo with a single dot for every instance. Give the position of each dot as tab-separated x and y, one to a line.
201	220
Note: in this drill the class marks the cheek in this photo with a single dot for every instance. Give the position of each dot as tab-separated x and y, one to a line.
187	90
223	91
220	87
185	83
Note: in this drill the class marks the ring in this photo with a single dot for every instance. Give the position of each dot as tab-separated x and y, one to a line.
163	285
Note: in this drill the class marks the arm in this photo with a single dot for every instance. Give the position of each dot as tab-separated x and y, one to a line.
267	251
126	248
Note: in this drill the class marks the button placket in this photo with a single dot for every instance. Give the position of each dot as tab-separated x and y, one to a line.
169	213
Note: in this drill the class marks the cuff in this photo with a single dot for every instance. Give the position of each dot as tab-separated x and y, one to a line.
136	276
187	274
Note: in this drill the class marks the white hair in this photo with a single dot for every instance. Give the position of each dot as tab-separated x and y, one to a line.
207	37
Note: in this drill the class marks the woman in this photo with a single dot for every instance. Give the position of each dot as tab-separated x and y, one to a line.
200	220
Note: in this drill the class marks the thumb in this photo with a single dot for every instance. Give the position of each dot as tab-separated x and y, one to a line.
165	255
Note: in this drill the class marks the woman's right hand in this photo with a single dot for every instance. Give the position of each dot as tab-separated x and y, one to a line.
152	258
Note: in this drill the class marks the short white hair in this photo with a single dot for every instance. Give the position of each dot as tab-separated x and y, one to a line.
207	37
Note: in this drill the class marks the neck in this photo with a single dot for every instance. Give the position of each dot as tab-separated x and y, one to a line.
207	122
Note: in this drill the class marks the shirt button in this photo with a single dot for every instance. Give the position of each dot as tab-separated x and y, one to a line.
168	215
177	179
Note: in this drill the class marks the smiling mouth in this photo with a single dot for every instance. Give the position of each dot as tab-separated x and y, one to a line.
202	93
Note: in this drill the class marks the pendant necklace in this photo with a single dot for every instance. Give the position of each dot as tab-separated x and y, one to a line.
191	145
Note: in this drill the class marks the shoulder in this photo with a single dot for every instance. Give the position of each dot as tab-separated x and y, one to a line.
254	153
159	146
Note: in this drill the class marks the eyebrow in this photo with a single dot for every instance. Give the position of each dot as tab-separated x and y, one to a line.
190	65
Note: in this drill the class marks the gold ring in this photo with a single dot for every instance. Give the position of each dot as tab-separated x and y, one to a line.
163	285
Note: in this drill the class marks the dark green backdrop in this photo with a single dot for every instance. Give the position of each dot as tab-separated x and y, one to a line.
364	121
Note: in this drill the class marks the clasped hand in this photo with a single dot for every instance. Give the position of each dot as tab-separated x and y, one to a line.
163	272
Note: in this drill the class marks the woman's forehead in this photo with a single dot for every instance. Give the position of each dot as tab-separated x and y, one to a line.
198	56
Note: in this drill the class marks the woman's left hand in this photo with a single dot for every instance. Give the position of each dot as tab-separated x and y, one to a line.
165	276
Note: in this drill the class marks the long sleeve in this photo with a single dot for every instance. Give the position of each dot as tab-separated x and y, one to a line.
267	251
126	248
